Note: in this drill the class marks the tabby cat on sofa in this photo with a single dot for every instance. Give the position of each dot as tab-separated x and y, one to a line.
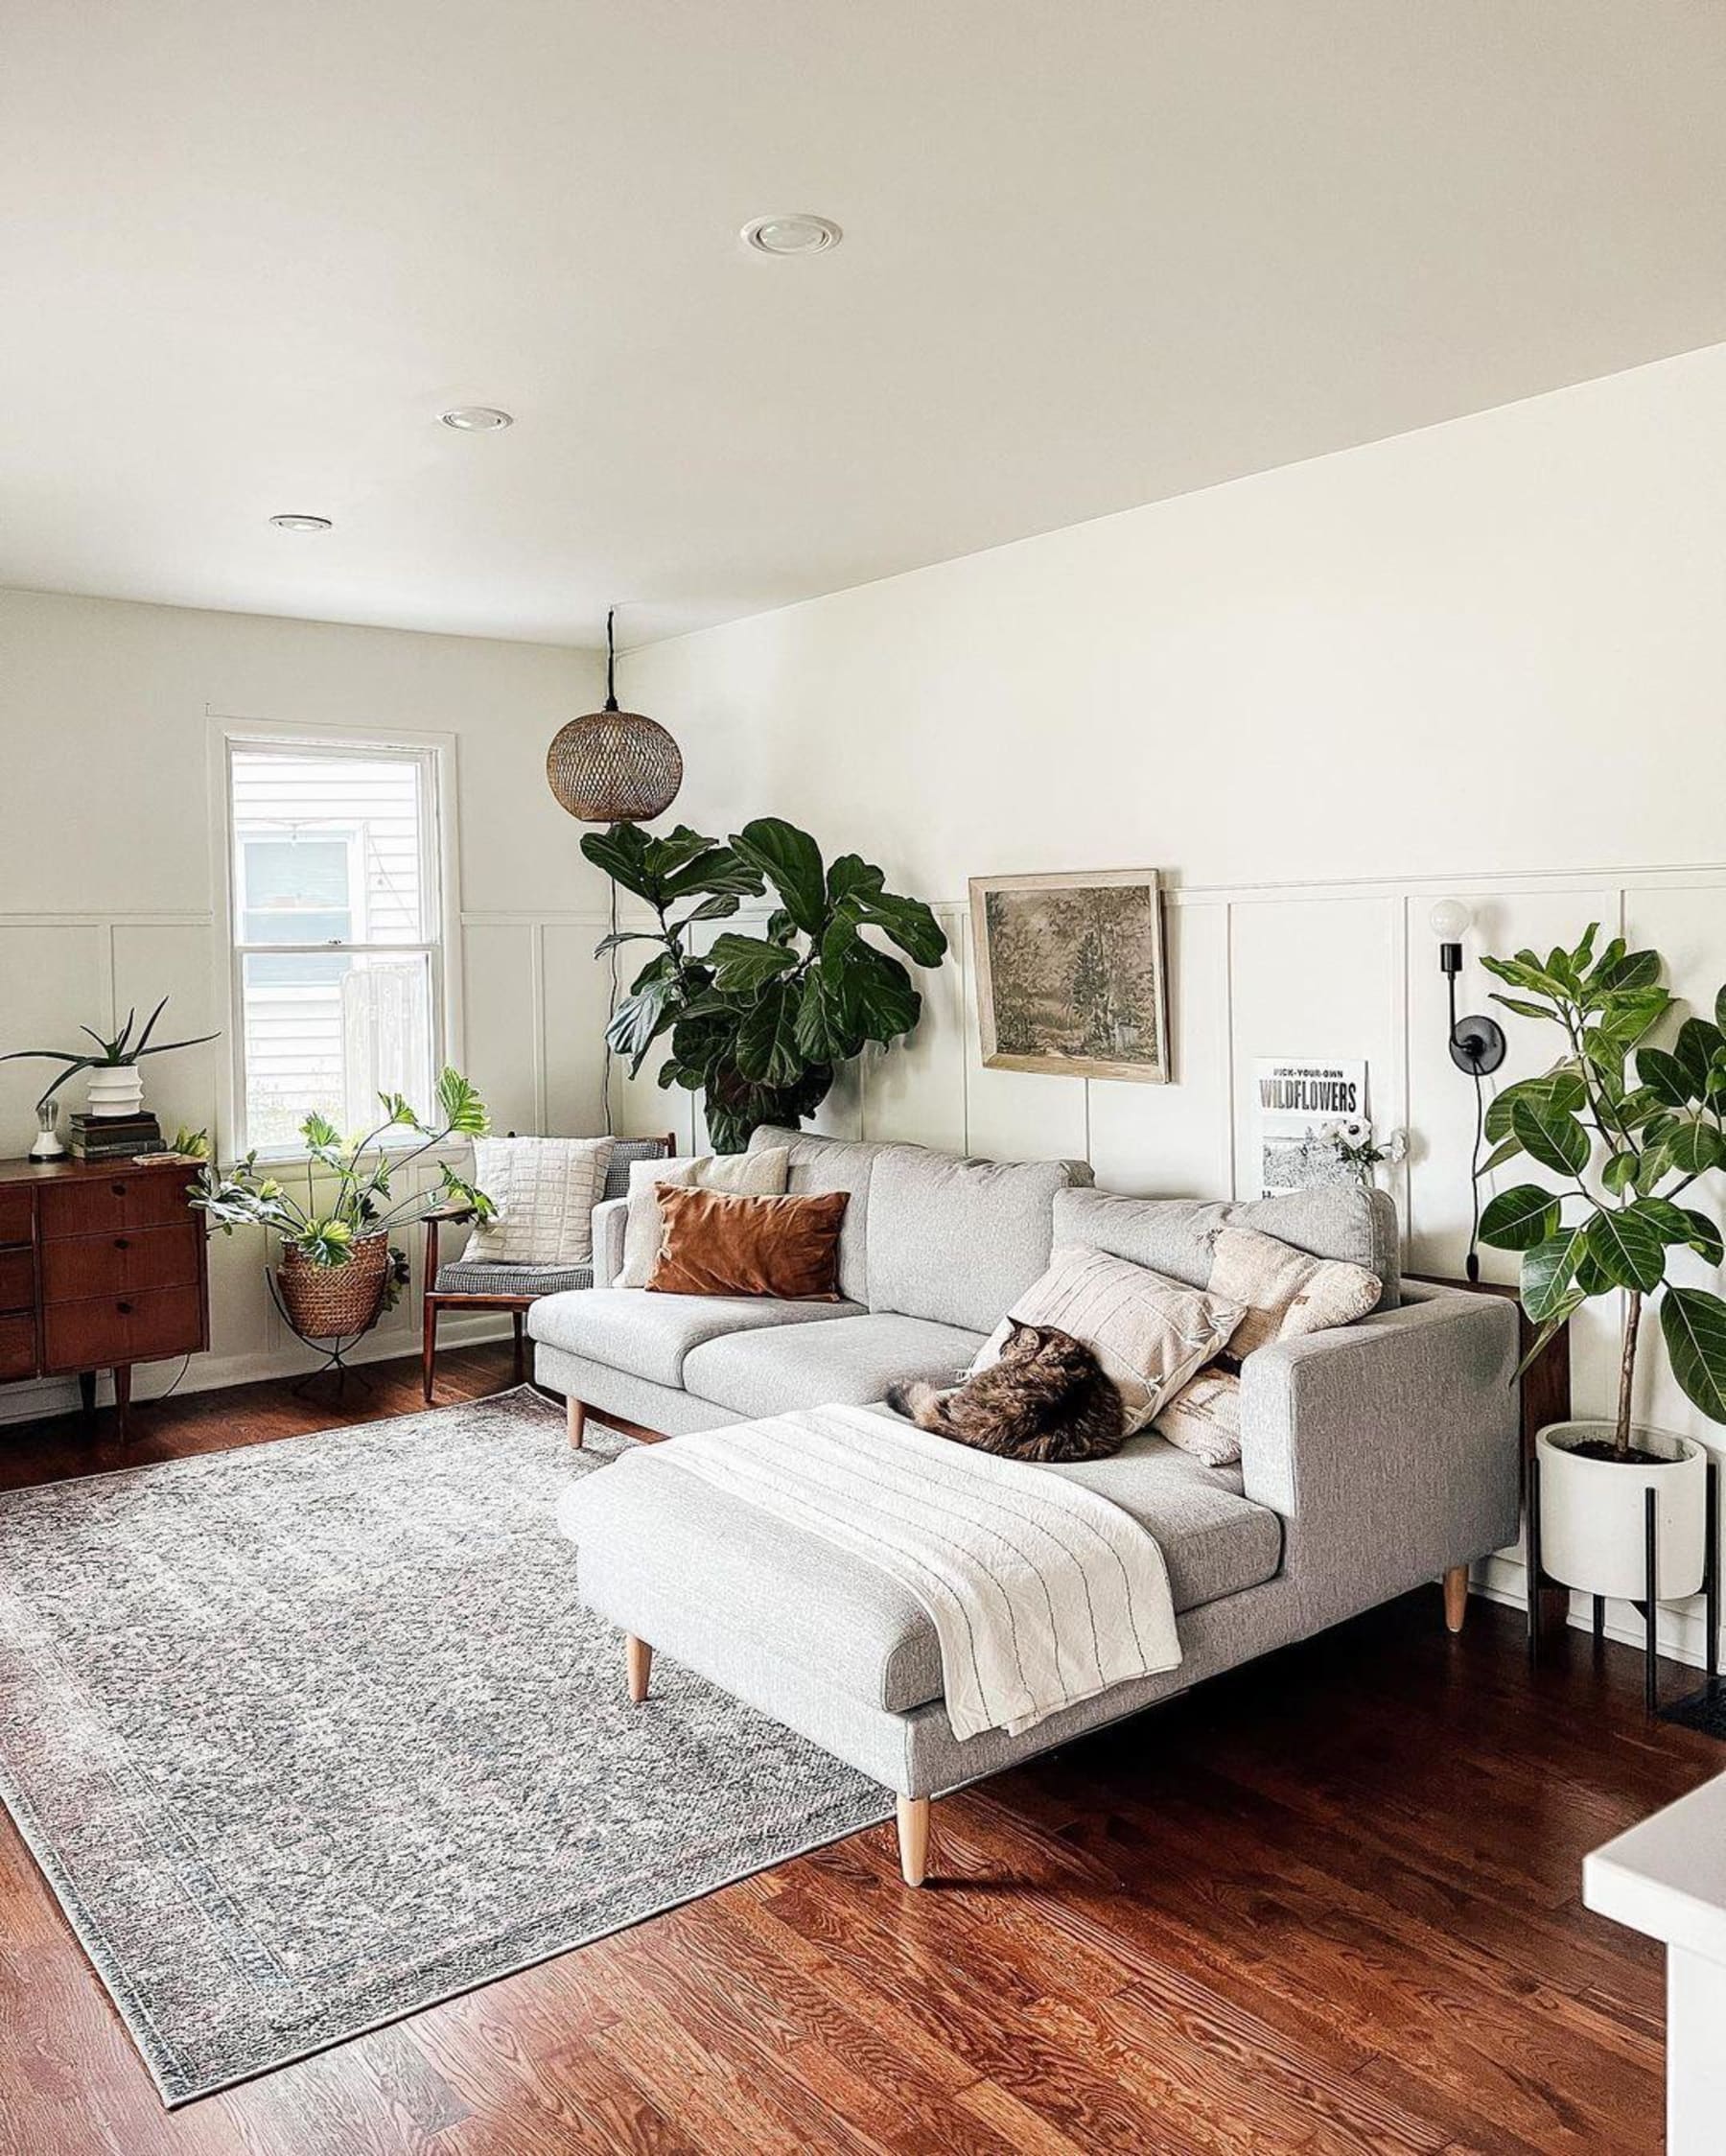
1045	1399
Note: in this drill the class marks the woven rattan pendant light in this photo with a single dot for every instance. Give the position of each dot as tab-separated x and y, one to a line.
613	766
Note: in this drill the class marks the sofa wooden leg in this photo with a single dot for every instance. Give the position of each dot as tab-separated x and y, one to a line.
1455	1596
577	1414
637	1656
914	1838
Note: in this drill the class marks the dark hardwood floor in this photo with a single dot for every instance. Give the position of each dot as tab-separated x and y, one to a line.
1327	1904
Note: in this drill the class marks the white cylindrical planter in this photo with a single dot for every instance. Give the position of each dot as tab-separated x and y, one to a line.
116	1089
1594	1512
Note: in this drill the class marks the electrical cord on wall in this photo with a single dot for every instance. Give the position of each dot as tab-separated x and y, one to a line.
610	1011
1471	1263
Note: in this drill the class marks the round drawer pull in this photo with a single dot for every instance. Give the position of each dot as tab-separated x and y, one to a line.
123	1308
118	1189
121	1243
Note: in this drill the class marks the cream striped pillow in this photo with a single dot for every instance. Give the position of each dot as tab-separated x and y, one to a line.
1150	1333
544	1189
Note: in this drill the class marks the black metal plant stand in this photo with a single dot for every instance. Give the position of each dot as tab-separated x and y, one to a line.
333	1348
1703	1709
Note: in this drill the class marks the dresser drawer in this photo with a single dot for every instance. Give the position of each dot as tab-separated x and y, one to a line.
76	1266
142	1198
17	1280
18	1347
102	1330
15	1216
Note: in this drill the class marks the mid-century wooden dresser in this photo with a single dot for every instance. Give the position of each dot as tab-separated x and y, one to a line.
101	1267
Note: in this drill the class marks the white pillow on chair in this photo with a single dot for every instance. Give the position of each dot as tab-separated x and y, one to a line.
544	1189
742	1175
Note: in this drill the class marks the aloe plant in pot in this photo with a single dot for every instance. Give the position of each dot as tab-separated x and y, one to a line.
1628	1129
758	1024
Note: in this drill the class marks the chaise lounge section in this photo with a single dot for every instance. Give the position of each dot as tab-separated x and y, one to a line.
1374	1459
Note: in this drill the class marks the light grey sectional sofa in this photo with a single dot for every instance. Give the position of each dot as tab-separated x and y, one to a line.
1374	1459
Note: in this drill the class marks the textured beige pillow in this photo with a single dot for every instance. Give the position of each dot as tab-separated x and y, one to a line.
544	1189
1149	1333
744	1175
1286	1293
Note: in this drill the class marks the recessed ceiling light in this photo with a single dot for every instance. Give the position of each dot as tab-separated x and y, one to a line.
796	232
477	419
292	520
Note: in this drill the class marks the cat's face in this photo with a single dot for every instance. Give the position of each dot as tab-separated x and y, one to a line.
1047	1344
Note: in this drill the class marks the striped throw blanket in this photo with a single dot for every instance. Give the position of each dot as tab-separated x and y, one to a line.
1041	1592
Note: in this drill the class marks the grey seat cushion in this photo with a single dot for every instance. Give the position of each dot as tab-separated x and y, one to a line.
851	1362
957	1240
807	1602
648	1335
1173	1235
462	1278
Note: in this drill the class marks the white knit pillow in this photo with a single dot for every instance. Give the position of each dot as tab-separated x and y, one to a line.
1150	1333
544	1189
744	1175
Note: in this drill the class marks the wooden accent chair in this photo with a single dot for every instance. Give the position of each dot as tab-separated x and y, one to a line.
478	1285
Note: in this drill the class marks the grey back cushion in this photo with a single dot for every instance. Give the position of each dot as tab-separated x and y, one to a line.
1173	1235
820	1165
956	1240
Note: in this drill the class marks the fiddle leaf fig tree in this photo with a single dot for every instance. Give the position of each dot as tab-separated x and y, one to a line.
758	1024
1627	1129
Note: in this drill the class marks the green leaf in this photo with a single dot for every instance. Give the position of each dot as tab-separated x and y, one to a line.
767	1038
1693	1148
1500	1155
1563	1311
1547	1273
1695	1324
905	922
1628	1016
1698	1043
622	851
822	1033
1664	1076
791	860
1552	1136
319	1134
851	877
1633	969
1606	1055
718	870
1518	1219
877	1000
1525	970
719	908
1720	1008
463	1112
640	1018
1522	1010
1627	1248
1561	1086
1679	1224
1618	1174
741	964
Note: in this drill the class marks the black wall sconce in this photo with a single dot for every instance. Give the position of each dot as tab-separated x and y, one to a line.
1477	1048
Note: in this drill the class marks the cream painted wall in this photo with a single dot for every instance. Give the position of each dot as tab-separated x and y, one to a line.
109	858
1485	660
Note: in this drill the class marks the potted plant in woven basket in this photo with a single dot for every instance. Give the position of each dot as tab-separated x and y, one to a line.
337	1270
1628	1129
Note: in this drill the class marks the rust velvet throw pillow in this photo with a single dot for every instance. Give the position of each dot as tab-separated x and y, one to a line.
716	1244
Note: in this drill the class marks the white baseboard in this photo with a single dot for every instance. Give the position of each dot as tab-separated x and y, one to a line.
1683	1625
40	1398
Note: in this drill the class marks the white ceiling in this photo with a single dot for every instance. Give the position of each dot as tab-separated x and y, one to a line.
1097	252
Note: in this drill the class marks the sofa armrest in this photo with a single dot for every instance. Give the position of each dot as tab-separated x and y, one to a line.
1391	1447
608	1219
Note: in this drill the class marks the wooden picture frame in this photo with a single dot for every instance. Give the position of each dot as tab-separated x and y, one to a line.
1070	973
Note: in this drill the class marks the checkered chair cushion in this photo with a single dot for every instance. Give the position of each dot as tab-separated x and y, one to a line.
465	1277
626	1150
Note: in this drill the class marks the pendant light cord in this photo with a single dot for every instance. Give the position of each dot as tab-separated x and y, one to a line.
611	662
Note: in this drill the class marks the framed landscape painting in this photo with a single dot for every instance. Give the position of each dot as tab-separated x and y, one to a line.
1070	973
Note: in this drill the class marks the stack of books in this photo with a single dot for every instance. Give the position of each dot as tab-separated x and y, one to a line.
115	1137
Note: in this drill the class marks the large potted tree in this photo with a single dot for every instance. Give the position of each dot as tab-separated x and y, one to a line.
758	1024
1627	1129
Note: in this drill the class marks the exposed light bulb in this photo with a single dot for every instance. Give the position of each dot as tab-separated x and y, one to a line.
1450	919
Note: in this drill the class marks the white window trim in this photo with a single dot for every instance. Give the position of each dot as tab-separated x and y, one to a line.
440	839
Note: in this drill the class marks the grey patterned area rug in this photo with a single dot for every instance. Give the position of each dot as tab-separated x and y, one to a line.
310	1735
